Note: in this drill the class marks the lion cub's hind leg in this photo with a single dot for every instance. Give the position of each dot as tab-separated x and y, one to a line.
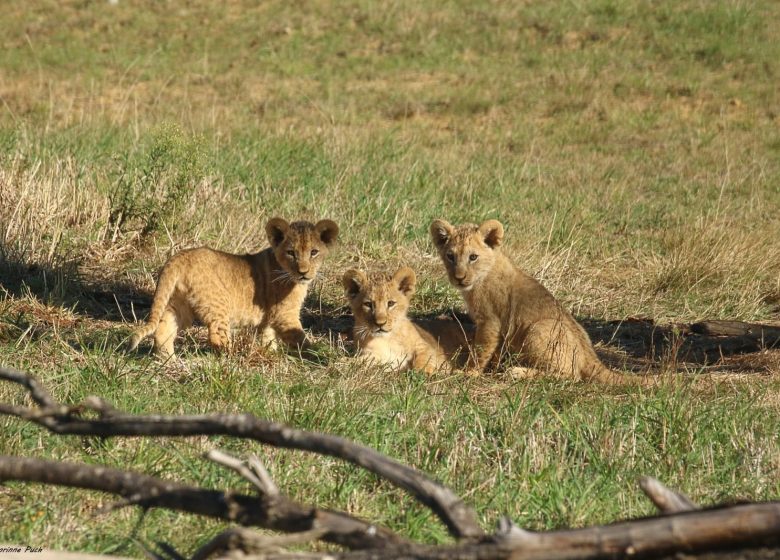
165	334
551	345
177	316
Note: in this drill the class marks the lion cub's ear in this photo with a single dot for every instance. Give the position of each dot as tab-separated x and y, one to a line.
441	231
276	229
327	230
353	281
406	280
492	232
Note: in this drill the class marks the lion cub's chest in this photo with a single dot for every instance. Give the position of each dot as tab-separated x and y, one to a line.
386	350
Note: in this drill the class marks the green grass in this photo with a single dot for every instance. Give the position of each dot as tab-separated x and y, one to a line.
631	149
547	454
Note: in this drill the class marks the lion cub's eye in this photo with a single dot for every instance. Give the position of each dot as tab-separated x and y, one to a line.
291	253
314	252
368	304
451	256
390	304
473	257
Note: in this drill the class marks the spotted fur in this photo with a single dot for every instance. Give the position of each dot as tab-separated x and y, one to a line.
224	291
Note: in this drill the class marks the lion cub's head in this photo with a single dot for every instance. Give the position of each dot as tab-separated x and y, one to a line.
468	251
300	247
378	301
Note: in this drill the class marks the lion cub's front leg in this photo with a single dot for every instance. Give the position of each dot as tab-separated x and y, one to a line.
427	361
268	338
219	335
291	333
486	341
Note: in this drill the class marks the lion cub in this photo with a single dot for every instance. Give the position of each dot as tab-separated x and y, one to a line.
222	290
513	311
385	335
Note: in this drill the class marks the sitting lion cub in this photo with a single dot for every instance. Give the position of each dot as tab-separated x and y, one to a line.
385	335
512	311
222	290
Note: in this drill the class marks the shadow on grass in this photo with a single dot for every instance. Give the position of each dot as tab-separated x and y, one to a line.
634	344
64	286
643	345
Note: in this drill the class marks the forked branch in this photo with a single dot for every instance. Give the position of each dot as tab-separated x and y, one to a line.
277	512
682	527
460	519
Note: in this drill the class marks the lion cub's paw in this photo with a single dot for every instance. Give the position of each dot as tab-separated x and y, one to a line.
519	372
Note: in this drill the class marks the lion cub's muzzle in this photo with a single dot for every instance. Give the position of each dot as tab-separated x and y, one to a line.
462	283
381	327
305	275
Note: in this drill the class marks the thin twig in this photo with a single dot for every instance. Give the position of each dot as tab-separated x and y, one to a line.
664	498
37	391
222	458
258	468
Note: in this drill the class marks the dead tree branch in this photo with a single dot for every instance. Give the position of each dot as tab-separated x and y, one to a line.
460	519
696	531
687	529
278	512
665	499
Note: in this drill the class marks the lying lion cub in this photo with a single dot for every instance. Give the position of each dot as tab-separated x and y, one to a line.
222	290
385	335
512	311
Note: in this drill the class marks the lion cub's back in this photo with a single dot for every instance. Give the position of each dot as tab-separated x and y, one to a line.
209	280
452	336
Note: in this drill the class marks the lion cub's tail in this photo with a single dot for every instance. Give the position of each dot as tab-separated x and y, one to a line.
166	285
612	377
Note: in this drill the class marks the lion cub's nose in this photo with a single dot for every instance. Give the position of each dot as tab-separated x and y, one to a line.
380	321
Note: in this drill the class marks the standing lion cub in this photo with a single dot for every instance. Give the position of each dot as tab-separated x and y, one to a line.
222	290
513	312
385	335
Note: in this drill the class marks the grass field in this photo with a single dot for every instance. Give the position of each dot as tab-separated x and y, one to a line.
631	149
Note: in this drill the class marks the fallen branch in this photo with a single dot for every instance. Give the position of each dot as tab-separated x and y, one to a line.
278	513
687	530
460	519
747	525
769	334
665	499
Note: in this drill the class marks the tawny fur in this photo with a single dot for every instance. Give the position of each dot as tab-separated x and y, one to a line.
512	311
385	335
224	291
